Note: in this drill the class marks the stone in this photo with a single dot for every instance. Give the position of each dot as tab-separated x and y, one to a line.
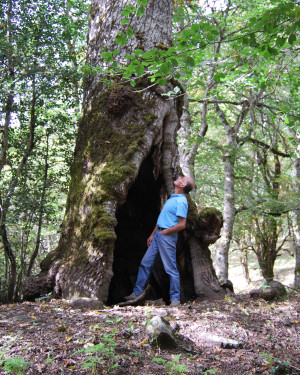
161	333
269	291
84	303
222	342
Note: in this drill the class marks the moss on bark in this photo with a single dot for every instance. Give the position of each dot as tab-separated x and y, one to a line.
110	132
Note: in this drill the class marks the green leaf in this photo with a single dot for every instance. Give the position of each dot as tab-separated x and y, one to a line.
141	70
121	39
190	62
126	13
219	76
140	11
272	51
174	61
164	68
196	27
292	38
162	81
148	55
106	55
129	57
138	52
280	41
127	74
124	20
130	32
210	37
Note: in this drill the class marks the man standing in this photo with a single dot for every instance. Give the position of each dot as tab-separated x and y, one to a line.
163	239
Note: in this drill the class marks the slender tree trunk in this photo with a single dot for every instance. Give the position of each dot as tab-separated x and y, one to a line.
229	211
223	244
41	211
266	250
244	260
221	260
5	201
187	152
266	229
10	93
12	261
10	257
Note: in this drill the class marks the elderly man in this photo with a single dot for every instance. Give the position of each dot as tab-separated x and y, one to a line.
163	239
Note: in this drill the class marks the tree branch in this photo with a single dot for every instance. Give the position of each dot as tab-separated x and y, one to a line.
264	145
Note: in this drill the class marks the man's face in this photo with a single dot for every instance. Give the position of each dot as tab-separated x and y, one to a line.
180	181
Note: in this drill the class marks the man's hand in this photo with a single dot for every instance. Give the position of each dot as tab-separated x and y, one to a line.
149	240
176	228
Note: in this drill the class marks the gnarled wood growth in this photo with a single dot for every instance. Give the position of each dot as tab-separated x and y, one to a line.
125	160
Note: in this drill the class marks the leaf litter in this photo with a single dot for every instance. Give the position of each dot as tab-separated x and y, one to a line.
52	338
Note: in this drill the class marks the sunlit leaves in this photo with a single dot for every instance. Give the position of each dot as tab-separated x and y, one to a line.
218	77
121	39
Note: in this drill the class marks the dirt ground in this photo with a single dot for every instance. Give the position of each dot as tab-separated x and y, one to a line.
49	337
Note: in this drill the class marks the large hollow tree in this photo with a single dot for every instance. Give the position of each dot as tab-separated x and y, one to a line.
125	161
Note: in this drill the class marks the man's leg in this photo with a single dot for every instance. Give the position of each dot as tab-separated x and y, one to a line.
167	250
146	266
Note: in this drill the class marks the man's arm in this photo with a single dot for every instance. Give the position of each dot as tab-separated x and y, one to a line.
175	228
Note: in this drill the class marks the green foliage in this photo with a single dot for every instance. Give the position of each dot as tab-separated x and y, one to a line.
275	363
260	29
102	353
13	365
173	366
44	56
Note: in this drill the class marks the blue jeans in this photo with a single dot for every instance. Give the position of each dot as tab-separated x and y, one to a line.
165	246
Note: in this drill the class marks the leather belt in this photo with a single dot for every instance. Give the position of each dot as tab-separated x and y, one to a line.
159	228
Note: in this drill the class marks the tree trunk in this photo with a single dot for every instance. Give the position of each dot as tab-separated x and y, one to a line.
41	212
244	258
223	244
266	250
266	229
202	231
126	158
187	151
229	211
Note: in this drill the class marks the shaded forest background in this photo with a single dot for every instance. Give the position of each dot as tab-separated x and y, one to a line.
239	64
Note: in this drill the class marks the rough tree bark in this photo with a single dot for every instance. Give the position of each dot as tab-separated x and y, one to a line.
126	158
266	231
229	211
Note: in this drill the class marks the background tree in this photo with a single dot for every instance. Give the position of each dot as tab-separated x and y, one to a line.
34	42
241	72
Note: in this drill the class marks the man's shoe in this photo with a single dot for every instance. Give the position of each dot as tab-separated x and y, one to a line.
175	303
130	297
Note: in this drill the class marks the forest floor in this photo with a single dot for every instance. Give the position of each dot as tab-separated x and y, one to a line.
50	337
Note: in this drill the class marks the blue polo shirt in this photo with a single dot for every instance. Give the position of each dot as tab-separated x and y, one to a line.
175	207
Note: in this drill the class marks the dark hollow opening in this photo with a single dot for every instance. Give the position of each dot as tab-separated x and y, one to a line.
136	219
